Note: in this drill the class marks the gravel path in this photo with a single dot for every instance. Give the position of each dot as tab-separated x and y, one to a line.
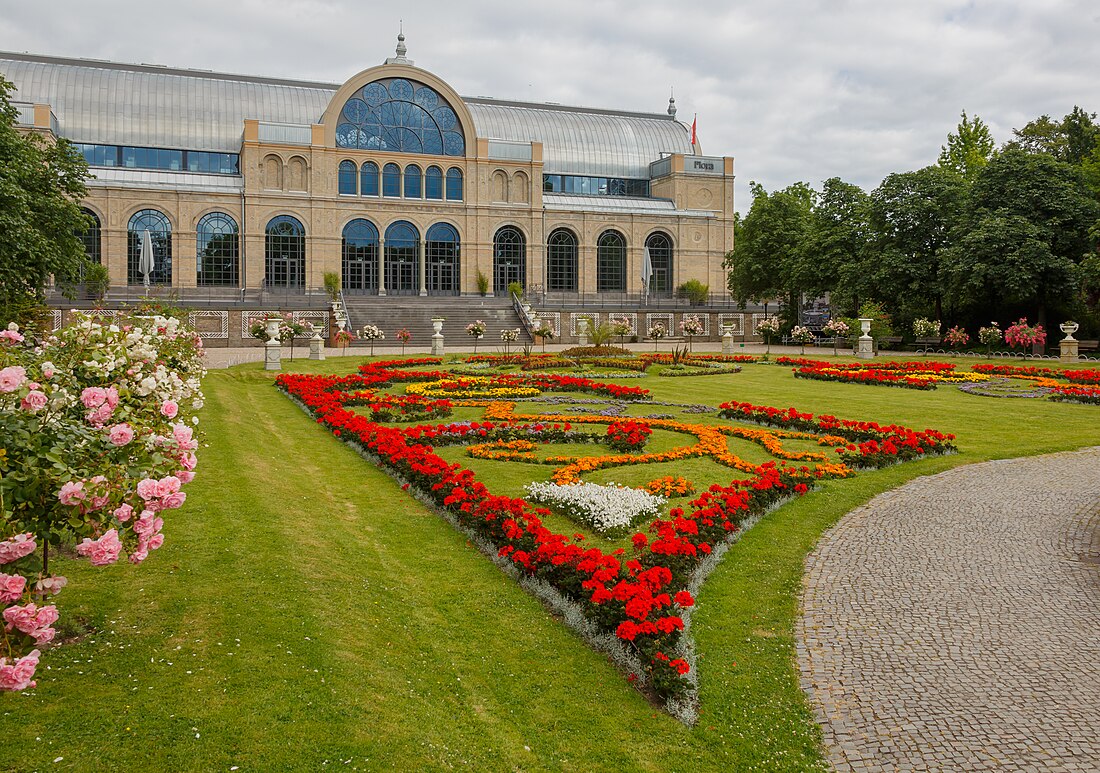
954	623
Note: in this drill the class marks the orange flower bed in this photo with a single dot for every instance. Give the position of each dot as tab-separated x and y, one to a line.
669	487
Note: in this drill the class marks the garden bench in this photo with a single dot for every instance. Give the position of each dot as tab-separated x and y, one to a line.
1088	346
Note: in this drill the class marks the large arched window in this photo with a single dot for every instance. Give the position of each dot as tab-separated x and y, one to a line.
160	231
346	177
285	252
359	262
402	115
402	258
660	258
433	183
391	180
91	237
509	258
368	179
442	260
611	263
454	184
561	261
217	251
412	181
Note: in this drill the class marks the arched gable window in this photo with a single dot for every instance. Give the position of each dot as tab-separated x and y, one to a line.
391	180
660	258
285	252
368	179
398	114
561	261
217	246
412	181
433	183
454	184
441	260
160	230
359	257
611	263
346	178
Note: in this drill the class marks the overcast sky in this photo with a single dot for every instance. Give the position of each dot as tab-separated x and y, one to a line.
793	91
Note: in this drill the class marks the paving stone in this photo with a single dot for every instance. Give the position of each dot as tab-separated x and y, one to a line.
954	623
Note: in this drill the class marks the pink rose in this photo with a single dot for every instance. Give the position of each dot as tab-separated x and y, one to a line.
34	402
168	485
12	336
18	675
72	493
51	585
120	434
12	377
123	513
15	548
93	397
11	587
185	476
174	500
24	618
102	551
169	409
156	541
110	396
43	636
97	417
138	555
189	461
147	489
146	524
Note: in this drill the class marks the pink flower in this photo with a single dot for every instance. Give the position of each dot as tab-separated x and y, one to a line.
93	397
34	402
120	434
18	675
97	417
189	461
24	618
51	585
170	409
156	541
167	486
102	551
183	435
147	489
15	548
11	587
12	377
11	335
72	492
148	524
47	370
173	500
185	476
123	513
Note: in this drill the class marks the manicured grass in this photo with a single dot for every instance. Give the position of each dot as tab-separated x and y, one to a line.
304	610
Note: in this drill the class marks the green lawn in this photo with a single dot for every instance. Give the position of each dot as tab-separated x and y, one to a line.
306	613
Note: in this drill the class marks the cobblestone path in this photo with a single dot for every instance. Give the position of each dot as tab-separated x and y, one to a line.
954	623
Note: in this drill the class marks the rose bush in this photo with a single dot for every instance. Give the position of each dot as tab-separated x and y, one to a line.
97	442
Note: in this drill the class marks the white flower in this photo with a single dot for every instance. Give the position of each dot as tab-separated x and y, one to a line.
604	508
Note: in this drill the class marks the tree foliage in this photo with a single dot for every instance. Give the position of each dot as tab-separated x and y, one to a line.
968	150
41	185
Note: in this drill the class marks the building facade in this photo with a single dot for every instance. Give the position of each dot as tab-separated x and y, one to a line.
391	179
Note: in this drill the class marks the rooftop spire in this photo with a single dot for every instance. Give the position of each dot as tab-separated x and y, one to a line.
401	49
671	104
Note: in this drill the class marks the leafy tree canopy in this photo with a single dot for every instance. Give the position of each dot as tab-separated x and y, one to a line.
41	185
1073	140
969	148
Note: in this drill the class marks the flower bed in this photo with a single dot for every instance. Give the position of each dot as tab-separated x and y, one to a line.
638	598
609	509
669	487
1076	394
627	436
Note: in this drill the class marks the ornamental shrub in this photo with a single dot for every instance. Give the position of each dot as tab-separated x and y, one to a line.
96	422
694	292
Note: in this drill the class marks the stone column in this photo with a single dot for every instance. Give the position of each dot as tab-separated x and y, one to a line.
423	255
381	265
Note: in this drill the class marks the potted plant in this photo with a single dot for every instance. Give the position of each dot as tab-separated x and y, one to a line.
691	326
836	328
926	331
1026	337
509	337
621	328
768	327
803	335
97	280
656	332
332	286
956	336
482	283
543	332
342	339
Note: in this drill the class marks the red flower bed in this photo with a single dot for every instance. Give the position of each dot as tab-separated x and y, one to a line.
638	598
1076	394
626	436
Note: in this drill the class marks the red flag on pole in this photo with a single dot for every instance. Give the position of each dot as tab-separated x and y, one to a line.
693	138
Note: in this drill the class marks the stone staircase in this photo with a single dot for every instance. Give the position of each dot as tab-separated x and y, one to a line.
391	313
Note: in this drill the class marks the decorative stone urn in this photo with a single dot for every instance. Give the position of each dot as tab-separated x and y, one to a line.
437	336
273	349
866	344
1068	347
727	339
316	347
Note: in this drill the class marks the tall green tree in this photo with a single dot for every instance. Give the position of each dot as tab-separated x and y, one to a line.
912	215
1022	237
1073	139
968	149
765	261
836	257
41	185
